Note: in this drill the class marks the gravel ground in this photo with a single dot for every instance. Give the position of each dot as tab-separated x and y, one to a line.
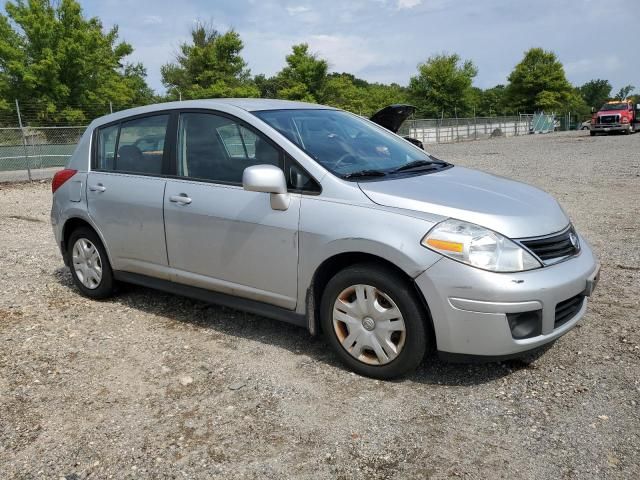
23	175
147	385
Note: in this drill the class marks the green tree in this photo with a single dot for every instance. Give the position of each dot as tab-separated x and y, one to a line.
538	83
209	67
596	92
624	92
341	91
267	86
304	76
379	95
64	65
344	90
443	84
491	102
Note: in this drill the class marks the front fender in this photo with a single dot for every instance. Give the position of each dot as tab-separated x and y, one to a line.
329	228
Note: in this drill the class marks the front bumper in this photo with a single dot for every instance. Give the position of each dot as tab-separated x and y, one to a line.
469	306
611	127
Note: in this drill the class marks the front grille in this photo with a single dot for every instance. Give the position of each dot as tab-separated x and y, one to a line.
554	247
568	309
609	119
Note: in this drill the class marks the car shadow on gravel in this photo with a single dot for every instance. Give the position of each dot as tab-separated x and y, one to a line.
181	311
438	372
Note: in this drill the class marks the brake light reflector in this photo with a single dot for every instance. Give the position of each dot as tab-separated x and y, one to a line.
60	177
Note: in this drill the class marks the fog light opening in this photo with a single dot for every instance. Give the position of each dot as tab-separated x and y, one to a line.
525	324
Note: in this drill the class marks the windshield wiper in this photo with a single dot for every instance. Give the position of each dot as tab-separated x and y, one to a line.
420	164
364	173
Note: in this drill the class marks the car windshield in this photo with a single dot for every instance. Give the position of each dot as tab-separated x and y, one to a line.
348	145
613	106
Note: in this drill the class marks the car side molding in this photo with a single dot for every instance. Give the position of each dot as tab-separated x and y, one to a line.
217	298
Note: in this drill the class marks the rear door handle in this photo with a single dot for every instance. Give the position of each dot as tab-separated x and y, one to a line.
97	188
182	198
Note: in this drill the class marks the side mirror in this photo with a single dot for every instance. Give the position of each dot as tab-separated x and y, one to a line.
267	179
593	109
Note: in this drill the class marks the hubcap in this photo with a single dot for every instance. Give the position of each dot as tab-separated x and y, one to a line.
87	263
368	324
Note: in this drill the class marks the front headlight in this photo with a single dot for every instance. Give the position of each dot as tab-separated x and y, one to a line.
479	247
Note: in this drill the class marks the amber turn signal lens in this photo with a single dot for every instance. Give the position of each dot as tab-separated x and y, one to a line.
444	245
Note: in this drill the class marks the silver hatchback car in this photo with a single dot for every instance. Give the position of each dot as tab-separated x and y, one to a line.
323	219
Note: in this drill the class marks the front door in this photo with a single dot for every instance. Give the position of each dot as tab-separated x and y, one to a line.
218	235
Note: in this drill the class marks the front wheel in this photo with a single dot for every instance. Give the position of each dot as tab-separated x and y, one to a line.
374	322
89	264
592	133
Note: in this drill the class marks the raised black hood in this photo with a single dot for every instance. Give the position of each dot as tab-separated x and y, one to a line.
393	116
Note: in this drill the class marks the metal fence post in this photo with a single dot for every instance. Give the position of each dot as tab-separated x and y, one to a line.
24	141
475	124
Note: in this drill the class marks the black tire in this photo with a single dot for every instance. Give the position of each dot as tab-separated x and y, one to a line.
105	287
592	133
401	292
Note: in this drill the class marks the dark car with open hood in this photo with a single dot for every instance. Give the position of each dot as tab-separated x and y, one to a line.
393	116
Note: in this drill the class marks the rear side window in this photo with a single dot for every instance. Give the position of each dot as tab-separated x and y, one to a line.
216	148
141	145
106	147
133	146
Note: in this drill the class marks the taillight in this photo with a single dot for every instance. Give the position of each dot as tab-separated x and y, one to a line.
60	177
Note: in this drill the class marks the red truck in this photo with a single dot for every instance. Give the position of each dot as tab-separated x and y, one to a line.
616	116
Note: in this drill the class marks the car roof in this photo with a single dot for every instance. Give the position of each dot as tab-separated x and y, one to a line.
248	104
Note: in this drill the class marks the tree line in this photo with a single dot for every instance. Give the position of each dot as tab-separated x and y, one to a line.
66	66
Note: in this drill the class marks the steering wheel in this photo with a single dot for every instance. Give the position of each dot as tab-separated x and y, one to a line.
343	157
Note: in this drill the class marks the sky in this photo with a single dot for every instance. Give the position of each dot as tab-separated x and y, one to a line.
384	40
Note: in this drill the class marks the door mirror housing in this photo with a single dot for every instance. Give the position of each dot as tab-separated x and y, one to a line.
267	179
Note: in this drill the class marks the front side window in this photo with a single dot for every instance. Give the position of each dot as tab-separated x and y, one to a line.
348	145
216	148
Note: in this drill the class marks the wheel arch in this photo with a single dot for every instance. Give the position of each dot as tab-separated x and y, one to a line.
73	223
332	265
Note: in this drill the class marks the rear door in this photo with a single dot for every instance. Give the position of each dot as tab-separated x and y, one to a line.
219	236
125	192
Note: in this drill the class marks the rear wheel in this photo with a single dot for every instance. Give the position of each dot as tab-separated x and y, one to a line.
374	321
89	264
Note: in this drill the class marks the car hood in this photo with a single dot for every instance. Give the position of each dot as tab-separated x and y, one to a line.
393	116
511	208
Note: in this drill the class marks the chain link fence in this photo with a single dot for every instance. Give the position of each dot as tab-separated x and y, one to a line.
446	130
36	140
31	148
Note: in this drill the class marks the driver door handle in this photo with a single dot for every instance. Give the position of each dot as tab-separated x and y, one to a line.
97	188
182	199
